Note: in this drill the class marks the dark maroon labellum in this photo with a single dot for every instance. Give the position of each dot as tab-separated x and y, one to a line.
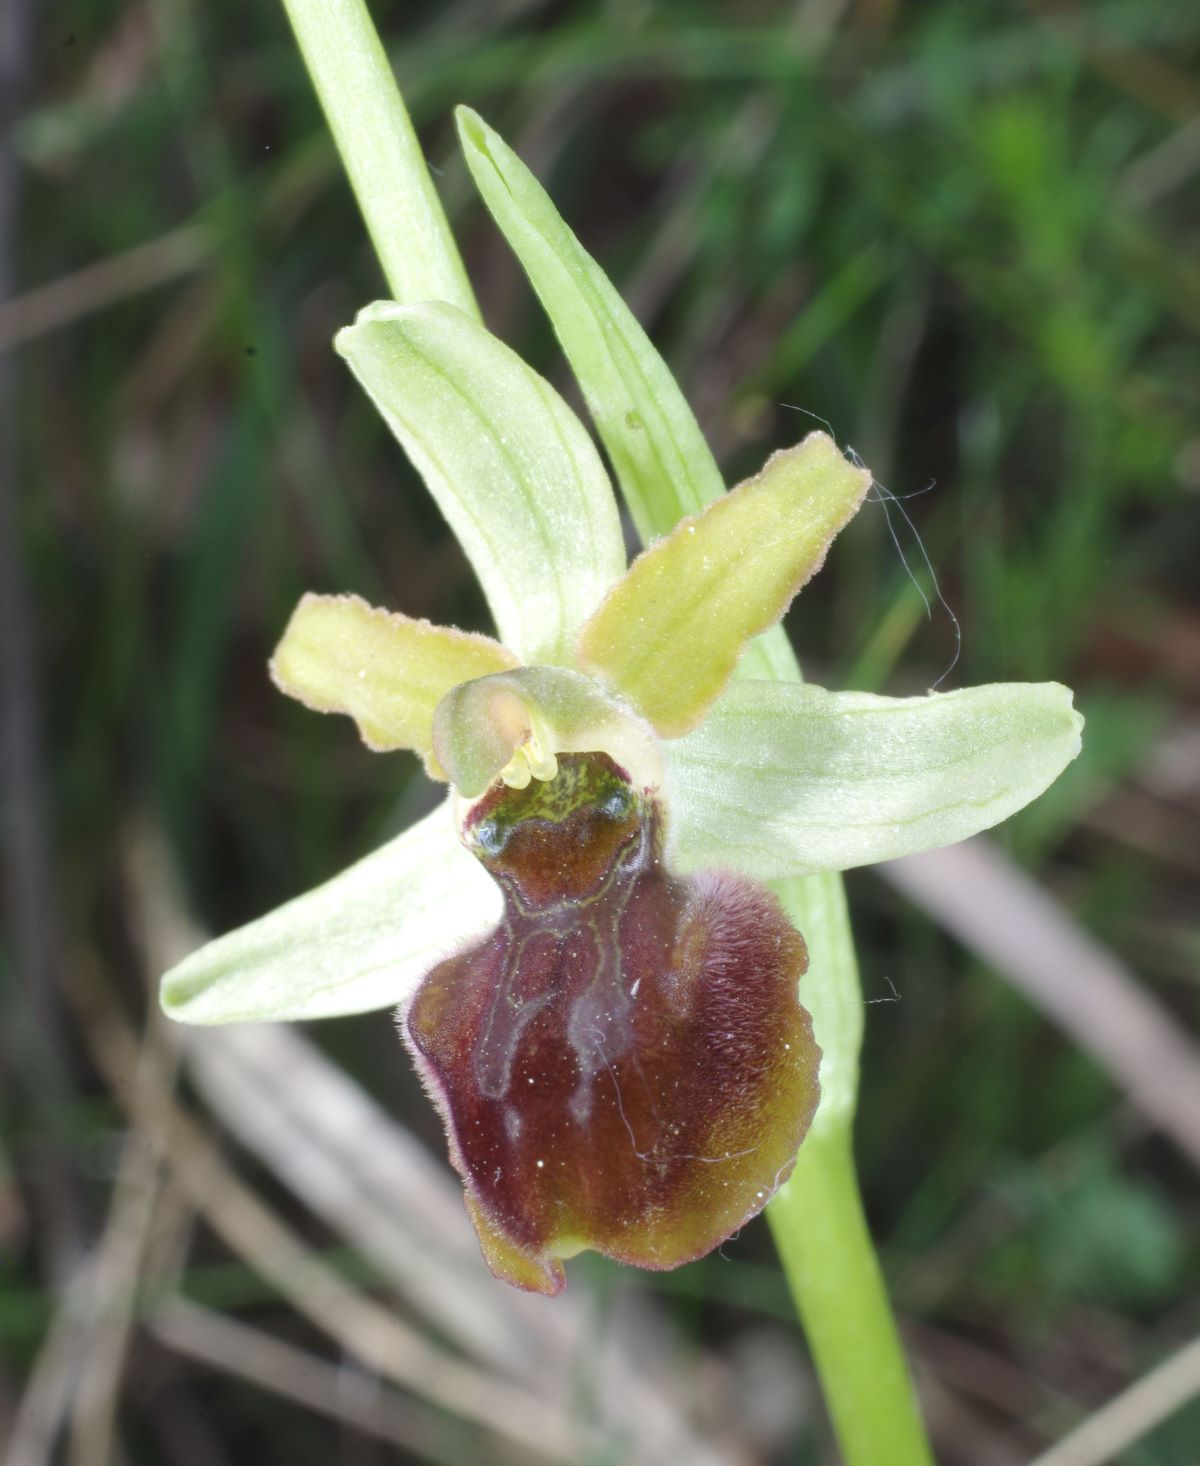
623	1064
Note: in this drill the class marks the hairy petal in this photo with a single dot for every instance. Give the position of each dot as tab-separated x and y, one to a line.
363	940
623	1063
386	671
787	779
509	463
670	632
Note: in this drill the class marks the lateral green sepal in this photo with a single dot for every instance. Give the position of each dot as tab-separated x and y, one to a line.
787	779
363	940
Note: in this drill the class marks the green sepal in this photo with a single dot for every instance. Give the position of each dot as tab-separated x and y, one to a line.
510	465
786	779
363	940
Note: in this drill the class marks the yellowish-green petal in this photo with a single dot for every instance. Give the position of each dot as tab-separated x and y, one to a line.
386	671
670	632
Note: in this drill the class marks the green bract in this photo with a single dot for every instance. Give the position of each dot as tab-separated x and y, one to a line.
657	449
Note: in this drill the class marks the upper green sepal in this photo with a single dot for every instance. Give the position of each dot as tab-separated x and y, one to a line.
509	463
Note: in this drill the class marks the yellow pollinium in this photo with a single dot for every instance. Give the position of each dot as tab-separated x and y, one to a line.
512	726
519	723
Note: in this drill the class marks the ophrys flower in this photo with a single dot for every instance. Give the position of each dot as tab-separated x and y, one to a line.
605	767
622	1062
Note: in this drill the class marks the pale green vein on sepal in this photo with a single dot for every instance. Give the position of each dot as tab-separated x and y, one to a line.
510	465
362	941
784	779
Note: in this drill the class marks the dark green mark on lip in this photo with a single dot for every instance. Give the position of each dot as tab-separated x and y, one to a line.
584	781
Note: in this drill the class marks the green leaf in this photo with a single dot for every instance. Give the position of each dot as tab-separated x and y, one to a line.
657	449
670	632
784	779
509	463
363	940
386	671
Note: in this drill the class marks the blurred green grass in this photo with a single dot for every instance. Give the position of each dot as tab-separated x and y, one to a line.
964	236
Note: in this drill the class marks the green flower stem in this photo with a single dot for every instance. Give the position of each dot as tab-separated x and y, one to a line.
822	1237
817	1217
380	151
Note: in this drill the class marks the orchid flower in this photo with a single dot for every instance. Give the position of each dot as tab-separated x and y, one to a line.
600	991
